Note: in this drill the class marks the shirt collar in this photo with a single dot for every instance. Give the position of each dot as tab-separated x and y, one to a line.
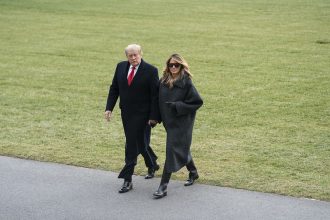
136	67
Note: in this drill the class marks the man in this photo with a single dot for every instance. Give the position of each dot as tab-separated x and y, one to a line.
135	82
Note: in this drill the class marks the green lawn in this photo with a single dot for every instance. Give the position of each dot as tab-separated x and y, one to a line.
262	68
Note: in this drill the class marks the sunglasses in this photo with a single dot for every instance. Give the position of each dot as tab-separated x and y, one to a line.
171	65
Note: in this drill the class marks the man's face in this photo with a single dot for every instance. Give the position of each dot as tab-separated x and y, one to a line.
134	57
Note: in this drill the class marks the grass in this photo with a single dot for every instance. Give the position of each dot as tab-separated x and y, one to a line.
262	68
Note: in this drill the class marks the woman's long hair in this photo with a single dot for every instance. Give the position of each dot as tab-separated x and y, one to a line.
168	78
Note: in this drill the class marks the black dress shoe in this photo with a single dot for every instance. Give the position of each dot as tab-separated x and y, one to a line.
161	192
127	186
191	179
151	172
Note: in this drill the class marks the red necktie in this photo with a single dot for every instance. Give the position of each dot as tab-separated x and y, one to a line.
130	76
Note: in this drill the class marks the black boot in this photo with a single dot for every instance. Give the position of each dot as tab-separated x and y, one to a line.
127	186
192	177
162	189
161	192
151	172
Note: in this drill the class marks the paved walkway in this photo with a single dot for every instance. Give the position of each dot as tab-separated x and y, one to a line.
39	190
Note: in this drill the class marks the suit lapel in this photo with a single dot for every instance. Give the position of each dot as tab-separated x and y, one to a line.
141	67
125	72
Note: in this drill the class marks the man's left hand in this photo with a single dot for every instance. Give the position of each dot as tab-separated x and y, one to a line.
152	123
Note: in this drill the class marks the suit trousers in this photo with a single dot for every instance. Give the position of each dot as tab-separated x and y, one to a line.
149	153
135	129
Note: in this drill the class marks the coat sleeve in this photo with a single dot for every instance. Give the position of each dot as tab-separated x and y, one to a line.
113	93
191	102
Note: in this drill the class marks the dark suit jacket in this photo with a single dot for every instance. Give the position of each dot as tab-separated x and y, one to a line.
141	97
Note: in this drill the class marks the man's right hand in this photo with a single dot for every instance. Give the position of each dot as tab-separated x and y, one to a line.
107	115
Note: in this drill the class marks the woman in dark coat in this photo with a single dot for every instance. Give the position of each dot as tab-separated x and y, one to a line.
178	102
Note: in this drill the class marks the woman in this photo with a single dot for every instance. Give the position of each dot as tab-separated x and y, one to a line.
178	102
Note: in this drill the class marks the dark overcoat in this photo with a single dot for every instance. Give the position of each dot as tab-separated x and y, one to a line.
178	107
138	104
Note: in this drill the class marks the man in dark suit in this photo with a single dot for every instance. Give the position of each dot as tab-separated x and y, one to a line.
135	82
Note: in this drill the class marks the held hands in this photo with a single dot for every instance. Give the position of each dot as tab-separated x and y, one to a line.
152	123
107	115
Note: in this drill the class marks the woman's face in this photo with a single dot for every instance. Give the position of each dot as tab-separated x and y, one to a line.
174	67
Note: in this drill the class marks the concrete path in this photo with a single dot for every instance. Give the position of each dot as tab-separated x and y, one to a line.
38	190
